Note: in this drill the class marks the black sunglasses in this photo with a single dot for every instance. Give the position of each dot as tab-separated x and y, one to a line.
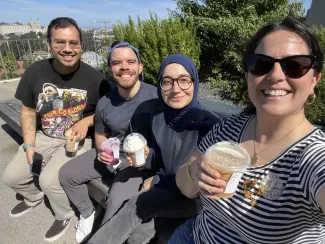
293	66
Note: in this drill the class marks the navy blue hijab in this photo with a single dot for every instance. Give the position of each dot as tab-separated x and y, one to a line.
180	119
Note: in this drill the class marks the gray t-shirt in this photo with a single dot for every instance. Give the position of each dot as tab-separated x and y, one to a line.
113	113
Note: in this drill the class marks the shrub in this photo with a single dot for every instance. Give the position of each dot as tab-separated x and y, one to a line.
157	38
316	112
223	27
11	65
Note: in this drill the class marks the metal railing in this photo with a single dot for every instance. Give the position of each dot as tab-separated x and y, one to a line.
17	55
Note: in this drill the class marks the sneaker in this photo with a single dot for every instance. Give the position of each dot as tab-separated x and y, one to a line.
84	227
20	209
98	210
57	230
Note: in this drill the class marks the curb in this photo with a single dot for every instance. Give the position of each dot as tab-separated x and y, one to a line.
9	80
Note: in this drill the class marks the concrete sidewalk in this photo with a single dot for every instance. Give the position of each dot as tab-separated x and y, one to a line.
31	227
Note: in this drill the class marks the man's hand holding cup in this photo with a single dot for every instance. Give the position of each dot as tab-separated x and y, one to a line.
109	151
104	157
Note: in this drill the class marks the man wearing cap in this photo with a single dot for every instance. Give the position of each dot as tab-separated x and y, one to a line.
128	102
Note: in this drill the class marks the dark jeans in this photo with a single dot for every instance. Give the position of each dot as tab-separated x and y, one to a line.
135	221
77	172
183	234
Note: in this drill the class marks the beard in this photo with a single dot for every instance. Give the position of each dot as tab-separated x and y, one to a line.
127	85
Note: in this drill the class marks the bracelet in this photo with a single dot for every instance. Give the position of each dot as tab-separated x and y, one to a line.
25	146
188	171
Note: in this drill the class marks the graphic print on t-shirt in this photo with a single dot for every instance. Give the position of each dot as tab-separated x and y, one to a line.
59	109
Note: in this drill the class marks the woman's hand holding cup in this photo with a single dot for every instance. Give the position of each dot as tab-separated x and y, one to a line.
146	152
208	180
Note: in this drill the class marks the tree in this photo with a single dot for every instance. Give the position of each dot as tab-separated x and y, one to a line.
223	27
30	35
315	112
10	64
156	39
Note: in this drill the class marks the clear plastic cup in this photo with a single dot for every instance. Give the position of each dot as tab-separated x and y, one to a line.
112	148
134	145
230	160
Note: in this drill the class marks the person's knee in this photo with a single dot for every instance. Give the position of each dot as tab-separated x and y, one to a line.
10	178
70	174
64	176
114	202
49	181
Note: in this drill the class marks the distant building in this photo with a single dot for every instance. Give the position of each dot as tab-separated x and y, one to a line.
85	29
315	15
102	49
39	55
100	34
22	29
93	59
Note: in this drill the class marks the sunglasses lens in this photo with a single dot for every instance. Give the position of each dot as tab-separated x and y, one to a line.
258	65
296	67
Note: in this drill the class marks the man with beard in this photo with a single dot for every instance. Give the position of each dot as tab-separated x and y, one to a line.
44	83
128	101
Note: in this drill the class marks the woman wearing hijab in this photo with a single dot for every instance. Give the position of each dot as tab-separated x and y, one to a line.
179	122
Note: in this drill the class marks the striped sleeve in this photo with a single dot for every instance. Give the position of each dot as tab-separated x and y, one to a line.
210	137
318	174
313	168
228	129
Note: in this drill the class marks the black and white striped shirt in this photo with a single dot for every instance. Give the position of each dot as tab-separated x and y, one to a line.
289	214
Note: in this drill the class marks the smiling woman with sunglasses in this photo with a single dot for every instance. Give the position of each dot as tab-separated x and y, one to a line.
281	196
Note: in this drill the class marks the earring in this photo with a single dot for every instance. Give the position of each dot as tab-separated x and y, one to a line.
245	96
311	99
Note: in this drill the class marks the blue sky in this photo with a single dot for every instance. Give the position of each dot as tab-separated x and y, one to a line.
84	11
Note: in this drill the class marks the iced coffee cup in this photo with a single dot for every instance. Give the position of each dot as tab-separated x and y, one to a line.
230	160
111	147
134	145
71	145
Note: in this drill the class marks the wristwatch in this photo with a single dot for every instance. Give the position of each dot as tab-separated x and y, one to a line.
25	146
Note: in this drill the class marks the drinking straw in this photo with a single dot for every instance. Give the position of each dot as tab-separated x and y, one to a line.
130	126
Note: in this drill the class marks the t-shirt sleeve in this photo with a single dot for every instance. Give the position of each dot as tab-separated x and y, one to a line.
25	90
101	88
312	168
316	169
100	126
104	87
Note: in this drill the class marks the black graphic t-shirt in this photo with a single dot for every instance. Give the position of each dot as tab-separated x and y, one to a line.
61	100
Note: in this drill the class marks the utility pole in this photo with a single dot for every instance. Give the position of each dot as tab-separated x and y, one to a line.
105	24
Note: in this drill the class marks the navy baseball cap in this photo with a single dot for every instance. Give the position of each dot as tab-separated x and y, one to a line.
123	44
